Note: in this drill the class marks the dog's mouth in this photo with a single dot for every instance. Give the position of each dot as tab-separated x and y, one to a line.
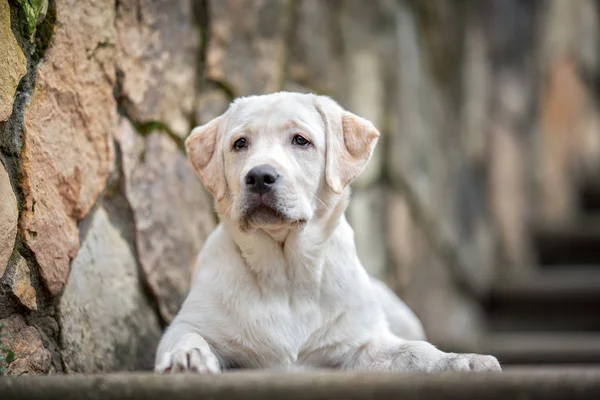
265	214
264	211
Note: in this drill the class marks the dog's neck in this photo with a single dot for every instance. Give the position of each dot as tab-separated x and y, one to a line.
291	254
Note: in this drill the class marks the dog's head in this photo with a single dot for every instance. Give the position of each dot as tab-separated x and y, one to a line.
271	160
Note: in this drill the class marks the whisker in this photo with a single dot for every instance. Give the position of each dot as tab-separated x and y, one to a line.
230	206
287	246
322	202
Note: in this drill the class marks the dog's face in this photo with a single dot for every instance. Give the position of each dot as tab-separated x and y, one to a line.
273	157
274	160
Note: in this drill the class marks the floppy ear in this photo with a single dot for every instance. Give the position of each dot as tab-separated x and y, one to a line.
350	143
204	150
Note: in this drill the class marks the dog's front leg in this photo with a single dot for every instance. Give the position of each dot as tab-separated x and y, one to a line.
183	350
390	353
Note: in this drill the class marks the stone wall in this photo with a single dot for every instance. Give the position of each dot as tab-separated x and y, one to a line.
488	113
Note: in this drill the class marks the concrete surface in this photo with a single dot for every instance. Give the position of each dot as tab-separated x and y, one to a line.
515	383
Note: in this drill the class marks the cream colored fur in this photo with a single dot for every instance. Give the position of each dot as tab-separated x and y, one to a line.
285	289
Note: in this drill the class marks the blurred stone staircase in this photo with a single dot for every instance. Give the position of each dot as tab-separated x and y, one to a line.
552	315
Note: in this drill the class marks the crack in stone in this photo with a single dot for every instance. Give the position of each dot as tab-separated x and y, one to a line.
11	147
202	17
225	87
148	127
144	128
128	226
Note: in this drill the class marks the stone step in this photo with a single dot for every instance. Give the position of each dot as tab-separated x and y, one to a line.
565	298
565	281
589	196
523	383
529	322
573	242
543	347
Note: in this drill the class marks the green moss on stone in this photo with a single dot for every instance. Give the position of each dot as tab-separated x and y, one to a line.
6	354
45	31
31	11
146	128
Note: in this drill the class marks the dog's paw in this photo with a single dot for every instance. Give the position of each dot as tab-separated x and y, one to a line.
472	363
192	354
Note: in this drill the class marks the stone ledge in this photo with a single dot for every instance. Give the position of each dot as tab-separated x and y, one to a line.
521	383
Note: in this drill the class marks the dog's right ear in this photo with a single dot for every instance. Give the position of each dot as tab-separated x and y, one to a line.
204	150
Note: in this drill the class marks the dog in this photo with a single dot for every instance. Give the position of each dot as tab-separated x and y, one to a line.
278	284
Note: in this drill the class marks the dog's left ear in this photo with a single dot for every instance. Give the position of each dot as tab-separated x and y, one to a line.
204	150
350	143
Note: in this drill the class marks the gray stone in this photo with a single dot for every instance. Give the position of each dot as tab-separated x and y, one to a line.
210	103
246	50
415	151
9	215
173	212
366	98
515	140
157	52
291	86
366	28
572	30
401	240
434	158
508	195
426	283
316	54
107	324
567	145
477	75
367	216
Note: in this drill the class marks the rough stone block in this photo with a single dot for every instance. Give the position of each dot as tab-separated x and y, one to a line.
367	215
107	323
158	45
316	54
20	284
25	341
13	64
68	123
173	212
426	282
246	50
8	219
210	104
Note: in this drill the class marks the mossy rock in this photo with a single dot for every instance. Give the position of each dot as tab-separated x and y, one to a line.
32	10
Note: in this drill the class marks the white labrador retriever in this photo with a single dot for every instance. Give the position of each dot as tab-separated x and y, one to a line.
278	283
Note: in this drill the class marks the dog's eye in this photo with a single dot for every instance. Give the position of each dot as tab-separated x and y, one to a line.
240	144
300	141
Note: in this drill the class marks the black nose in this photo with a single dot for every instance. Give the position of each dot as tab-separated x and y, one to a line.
261	179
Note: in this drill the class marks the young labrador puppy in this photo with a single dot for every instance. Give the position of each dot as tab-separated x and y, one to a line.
278	283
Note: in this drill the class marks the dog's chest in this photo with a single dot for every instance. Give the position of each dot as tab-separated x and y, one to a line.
285	300
273	330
